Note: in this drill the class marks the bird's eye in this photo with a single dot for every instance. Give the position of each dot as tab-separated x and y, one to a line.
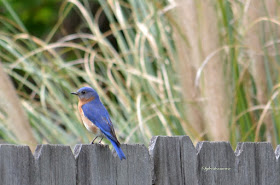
83	92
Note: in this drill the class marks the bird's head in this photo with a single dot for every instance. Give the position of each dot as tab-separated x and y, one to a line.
86	94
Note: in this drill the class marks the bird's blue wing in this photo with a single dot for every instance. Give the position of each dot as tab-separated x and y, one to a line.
99	116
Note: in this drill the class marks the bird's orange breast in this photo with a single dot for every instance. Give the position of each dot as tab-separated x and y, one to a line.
87	123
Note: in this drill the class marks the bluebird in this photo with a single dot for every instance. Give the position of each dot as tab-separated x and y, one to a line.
96	118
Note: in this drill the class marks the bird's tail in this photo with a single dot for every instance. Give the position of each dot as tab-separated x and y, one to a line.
118	149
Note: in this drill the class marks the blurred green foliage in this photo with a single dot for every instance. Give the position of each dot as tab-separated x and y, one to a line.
38	16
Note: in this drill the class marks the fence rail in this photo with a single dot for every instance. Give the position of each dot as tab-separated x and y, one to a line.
168	161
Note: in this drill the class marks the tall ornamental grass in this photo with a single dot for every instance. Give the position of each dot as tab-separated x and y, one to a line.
137	80
208	69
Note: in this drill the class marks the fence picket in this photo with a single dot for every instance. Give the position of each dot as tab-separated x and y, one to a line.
174	160
215	163
17	165
256	164
55	165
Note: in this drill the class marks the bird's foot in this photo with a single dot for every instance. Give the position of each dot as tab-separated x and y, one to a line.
94	140
100	140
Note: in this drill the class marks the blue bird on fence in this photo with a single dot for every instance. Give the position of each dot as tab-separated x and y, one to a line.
96	118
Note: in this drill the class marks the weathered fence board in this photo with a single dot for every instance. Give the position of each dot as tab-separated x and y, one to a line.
136	169
55	164
256	164
170	160
216	162
174	160
95	165
17	165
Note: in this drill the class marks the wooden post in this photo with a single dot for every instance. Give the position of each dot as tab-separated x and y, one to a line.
174	160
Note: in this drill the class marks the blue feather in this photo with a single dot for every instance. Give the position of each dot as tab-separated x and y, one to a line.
117	149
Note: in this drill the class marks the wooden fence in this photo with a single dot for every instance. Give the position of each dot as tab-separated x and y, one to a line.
169	160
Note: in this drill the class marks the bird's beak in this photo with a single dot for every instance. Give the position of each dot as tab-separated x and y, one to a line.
74	93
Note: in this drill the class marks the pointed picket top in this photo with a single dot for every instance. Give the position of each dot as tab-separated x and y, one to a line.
174	160
277	152
216	162
95	164
56	165
17	165
256	164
